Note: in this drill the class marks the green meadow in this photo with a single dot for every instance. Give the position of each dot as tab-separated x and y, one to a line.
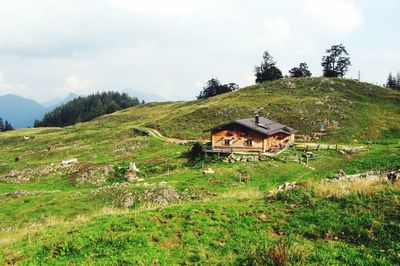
174	214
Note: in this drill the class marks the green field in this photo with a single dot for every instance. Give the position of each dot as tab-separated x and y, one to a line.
86	214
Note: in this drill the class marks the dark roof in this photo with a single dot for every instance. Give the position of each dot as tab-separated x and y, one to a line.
265	126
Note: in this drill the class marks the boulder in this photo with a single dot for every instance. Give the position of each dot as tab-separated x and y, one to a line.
393	176
69	161
133	172
208	171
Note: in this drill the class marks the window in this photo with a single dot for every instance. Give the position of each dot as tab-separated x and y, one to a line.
227	142
248	142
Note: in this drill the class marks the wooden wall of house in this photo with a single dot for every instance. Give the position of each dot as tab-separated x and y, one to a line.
238	137
277	139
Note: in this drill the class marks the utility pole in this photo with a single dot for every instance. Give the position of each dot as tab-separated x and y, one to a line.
359	75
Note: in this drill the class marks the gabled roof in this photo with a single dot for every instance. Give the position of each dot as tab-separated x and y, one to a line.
265	126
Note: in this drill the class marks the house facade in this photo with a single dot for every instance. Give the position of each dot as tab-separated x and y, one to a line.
257	134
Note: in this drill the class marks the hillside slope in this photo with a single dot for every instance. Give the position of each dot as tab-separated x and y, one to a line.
89	213
348	109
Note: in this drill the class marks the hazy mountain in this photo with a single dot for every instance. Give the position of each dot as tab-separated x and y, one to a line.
22	112
51	104
146	96
19	111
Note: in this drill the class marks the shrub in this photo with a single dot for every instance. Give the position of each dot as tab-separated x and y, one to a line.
119	174
195	152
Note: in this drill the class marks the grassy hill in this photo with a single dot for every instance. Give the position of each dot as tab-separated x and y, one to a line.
349	109
85	214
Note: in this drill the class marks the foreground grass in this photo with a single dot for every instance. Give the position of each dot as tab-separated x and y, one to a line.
359	230
51	219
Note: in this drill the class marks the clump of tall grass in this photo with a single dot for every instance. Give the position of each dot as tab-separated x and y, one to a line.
343	188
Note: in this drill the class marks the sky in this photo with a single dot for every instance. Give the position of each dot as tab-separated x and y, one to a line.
49	48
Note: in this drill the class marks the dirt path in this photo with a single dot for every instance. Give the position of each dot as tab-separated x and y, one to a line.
158	135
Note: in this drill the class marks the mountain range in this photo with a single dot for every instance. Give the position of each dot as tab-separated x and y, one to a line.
21	112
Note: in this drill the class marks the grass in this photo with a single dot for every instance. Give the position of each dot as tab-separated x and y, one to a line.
217	220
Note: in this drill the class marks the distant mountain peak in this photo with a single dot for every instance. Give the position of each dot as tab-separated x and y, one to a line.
146	96
19	111
59	101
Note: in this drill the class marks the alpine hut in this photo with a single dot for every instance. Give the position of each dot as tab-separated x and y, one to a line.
256	134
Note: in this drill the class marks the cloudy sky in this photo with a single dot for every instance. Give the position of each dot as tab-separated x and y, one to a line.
49	48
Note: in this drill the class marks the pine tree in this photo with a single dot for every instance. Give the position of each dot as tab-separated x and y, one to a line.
391	82
301	71
7	126
214	87
1	125
87	108
267	70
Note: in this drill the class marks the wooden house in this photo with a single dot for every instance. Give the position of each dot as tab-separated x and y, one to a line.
257	134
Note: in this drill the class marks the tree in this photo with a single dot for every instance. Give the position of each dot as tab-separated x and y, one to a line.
214	87
398	80
336	63
391	82
7	126
267	70
301	71
195	151
87	108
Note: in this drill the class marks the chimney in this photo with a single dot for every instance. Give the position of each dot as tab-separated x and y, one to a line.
257	119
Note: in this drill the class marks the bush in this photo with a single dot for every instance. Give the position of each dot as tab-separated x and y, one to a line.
119	174
195	151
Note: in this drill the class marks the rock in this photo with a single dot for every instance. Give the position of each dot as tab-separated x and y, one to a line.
290	85
133	168
283	187
392	176
19	194
129	201
341	174
286	186
349	150
163	196
162	184
133	172
208	171
69	161
374	176
89	174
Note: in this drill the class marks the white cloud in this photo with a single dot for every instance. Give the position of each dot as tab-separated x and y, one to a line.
170	7
339	15
172	48
76	85
276	30
9	88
